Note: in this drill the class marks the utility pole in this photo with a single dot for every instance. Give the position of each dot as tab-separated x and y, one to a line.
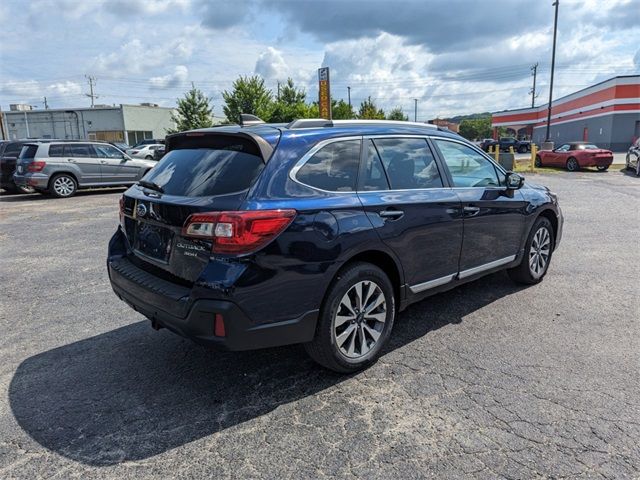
415	109
92	81
553	66
46	105
534	72
278	90
349	96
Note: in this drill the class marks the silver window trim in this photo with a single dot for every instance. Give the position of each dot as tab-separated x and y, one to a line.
300	163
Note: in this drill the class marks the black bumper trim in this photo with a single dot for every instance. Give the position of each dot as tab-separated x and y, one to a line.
195	319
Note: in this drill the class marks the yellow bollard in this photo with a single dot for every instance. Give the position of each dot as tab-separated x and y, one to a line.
534	151
511	151
497	153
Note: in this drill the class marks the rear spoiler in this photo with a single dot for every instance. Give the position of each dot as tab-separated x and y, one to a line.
210	138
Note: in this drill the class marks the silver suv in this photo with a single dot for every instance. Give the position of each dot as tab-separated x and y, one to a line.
61	168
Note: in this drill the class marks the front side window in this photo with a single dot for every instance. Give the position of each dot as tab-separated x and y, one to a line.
334	167
107	151
408	162
563	148
468	168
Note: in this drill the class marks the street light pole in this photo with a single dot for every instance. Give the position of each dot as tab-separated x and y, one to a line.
553	66
415	109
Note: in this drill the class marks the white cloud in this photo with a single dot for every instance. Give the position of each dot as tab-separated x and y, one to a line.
271	65
171	80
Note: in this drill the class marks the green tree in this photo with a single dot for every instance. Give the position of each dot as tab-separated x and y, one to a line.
248	95
290	104
476	128
193	111
397	114
341	110
369	111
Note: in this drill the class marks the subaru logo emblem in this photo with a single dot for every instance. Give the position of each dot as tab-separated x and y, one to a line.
141	210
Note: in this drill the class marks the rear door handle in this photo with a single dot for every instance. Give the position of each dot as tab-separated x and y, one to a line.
471	211
392	214
103	161
71	160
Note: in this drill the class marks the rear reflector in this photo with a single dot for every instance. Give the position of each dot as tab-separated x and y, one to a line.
36	166
238	232
218	326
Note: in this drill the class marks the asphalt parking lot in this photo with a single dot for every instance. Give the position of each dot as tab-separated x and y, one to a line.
489	380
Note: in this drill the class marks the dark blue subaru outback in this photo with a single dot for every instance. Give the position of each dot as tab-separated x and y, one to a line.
320	232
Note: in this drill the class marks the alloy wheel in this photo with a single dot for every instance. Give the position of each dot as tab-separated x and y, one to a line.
360	319
539	252
572	165
63	186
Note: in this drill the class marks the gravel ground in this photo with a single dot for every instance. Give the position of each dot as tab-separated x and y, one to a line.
489	380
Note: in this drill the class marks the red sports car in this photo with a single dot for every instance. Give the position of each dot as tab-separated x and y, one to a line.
575	156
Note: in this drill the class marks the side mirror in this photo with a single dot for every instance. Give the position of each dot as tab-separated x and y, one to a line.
514	181
126	157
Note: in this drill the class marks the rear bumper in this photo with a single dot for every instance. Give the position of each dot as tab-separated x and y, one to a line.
597	162
173	307
36	180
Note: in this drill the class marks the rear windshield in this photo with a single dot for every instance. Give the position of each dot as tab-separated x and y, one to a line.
13	149
28	152
203	172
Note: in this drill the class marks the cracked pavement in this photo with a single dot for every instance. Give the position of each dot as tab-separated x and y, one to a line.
490	380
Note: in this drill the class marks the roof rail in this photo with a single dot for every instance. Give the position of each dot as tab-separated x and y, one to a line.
310	123
321	122
247	119
383	122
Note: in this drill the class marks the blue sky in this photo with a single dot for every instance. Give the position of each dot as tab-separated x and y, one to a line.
454	56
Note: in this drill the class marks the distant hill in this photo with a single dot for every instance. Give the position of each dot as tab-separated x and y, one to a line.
471	116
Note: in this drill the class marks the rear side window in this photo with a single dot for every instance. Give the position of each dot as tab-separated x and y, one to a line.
373	176
28	152
78	150
205	172
55	150
409	163
334	167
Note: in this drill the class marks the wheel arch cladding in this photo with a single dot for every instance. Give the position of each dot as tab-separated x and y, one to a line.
382	260
551	216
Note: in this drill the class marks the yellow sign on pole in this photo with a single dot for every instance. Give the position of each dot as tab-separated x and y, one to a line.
324	93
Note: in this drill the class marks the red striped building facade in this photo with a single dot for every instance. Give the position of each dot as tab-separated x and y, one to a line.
607	114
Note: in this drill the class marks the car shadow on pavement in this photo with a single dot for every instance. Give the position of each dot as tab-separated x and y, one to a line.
132	393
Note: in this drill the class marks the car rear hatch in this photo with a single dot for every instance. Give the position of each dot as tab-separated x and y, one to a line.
201	172
9	158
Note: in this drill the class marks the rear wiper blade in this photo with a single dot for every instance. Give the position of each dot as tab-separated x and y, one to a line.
150	185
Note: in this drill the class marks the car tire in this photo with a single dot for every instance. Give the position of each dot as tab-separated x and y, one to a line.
148	157
538	162
638	168
522	149
572	164
356	342
602	168
63	185
537	254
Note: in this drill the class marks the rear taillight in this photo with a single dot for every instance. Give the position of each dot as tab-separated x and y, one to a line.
122	211
238	232
36	166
